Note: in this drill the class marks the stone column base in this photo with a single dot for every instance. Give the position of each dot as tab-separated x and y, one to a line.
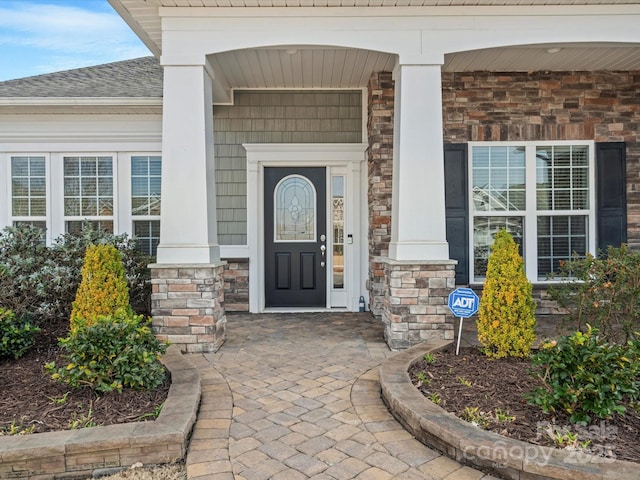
415	302
187	304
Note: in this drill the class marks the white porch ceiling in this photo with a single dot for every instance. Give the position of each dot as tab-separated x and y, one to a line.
299	66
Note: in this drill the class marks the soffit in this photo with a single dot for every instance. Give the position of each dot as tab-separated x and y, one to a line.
300	66
143	15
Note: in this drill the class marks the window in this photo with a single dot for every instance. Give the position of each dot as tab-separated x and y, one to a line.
542	193
146	175
337	204
88	192
29	191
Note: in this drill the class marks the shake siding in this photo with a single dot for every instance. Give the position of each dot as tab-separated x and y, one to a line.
273	117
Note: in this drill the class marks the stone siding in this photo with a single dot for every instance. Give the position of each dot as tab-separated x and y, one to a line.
380	169
415	302
236	284
599	106
187	304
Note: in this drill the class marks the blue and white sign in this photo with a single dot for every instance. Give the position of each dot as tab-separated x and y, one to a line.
463	302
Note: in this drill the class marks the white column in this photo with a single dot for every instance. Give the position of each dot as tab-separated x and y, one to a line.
188	229
418	226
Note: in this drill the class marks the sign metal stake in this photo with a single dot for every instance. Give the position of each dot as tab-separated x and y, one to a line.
459	336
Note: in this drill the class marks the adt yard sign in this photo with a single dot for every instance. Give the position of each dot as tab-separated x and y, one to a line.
463	302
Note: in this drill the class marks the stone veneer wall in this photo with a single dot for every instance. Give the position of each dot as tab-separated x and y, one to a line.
415	302
600	106
187	304
236	284
380	163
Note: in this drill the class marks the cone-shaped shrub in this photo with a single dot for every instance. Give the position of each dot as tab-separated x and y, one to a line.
103	290
506	317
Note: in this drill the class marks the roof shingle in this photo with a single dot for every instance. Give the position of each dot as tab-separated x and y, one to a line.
141	77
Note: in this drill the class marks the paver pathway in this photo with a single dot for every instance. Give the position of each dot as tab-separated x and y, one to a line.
296	396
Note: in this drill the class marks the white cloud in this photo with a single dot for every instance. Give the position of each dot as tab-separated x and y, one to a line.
65	36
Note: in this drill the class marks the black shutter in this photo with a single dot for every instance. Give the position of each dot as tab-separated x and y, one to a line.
456	204
611	193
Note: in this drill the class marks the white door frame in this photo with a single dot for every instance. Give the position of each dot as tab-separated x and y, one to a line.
339	158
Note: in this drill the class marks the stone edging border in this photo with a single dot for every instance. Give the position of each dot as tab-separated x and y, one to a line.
488	451
91	451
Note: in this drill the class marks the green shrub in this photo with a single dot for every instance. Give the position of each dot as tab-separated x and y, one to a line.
506	316
103	289
17	336
603	292
586	376
113	352
23	255
41	282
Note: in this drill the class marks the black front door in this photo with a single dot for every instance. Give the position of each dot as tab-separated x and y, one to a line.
295	237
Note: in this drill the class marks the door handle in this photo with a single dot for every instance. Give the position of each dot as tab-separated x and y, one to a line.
322	250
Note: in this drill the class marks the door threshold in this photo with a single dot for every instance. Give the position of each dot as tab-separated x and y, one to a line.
303	310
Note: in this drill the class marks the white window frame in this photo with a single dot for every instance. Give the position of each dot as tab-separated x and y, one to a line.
530	213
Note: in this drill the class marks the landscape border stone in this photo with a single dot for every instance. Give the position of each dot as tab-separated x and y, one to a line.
75	454
470	445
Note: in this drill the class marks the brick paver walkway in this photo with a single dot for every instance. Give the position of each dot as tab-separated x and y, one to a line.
292	397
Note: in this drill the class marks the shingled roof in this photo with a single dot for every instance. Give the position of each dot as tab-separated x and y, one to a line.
141	77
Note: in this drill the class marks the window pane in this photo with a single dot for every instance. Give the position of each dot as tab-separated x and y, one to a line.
147	233
20	166
337	196
498	178
20	207
88	167
38	207
88	189
560	172
139	166
28	187
139	186
71	166
76	226
20	187
559	238
145	185
295	204
484	230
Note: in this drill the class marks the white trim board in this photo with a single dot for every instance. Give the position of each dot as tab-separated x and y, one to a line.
344	159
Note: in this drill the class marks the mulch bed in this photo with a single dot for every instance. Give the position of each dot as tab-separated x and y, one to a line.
501	384
30	399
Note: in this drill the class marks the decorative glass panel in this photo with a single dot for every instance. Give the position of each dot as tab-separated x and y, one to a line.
337	197
498	178
484	229
295	205
560	238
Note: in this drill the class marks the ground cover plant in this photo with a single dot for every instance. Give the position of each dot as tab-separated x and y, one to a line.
495	401
580	390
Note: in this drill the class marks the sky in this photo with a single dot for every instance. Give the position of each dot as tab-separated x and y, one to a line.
44	36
